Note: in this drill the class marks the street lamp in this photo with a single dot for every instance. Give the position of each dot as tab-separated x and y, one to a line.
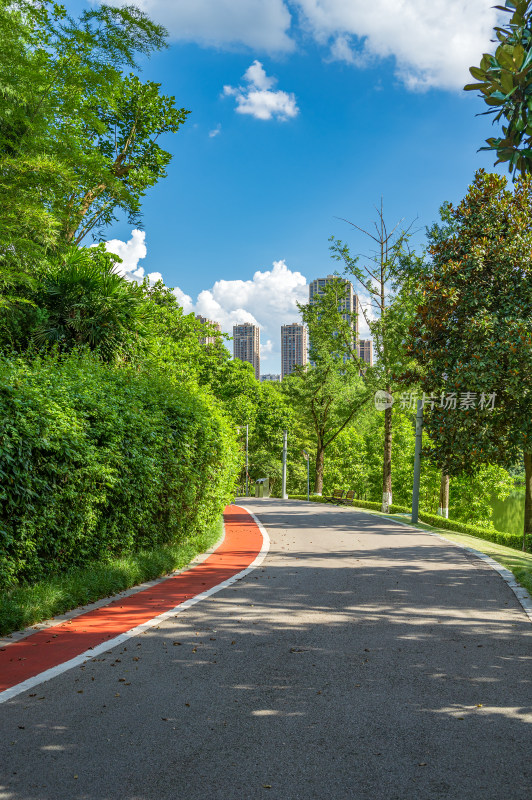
247	436
285	449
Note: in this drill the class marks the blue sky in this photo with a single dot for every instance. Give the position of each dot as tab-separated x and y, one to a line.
329	105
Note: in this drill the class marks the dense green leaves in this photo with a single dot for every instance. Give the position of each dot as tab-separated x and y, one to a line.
472	334
505	82
96	460
78	137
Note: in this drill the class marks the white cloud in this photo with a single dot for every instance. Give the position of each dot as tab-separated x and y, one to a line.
261	25
433	43
131	252
266	349
269	299
257	98
215	131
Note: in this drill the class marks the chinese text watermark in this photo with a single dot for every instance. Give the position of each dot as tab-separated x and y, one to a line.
452	401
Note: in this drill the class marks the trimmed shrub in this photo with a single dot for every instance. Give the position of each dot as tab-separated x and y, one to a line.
514	540
97	461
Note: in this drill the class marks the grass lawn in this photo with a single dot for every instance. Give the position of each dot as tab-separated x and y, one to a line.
27	605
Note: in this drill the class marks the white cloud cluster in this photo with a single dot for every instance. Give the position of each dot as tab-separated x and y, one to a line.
258	99
261	25
433	42
131	252
269	299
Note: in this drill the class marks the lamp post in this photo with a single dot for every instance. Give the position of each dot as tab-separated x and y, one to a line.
306	457
247	436
285	448
417	461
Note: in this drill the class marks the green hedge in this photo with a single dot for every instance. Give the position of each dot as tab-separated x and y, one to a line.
512	540
97	460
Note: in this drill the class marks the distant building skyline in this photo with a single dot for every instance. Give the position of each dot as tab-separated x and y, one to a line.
294	347
270	377
246	345
294	337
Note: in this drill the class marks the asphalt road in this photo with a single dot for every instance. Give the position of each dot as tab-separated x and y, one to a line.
360	660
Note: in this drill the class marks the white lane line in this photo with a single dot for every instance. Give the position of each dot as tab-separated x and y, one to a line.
48	674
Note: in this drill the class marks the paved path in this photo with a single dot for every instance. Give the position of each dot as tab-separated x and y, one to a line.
360	660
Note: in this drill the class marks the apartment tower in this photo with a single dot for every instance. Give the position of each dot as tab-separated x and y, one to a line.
246	345
365	351
293	347
213	324
348	305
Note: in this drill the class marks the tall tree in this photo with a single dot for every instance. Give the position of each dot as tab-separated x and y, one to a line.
329	392
78	137
379	279
472	334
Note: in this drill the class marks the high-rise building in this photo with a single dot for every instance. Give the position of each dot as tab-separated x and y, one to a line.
246	345
213	324
365	351
293	347
348	305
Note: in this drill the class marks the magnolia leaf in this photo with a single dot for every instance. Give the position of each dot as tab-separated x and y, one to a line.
518	55
477	73
469	87
507	81
505	58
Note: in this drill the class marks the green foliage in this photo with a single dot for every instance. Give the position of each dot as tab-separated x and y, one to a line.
328	393
504	79
96	461
77	301
78	137
473	330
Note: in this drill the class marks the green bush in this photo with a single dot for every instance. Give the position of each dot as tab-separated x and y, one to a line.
514	540
97	460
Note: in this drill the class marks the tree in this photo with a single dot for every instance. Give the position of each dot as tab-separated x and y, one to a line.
328	393
472	334
504	79
88	304
78	138
380	280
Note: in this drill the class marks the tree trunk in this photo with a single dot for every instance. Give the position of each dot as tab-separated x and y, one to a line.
318	482
443	509
387	461
527	530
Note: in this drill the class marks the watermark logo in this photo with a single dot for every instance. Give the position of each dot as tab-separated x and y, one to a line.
452	401
383	400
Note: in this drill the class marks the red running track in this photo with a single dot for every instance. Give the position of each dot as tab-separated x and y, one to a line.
53	646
